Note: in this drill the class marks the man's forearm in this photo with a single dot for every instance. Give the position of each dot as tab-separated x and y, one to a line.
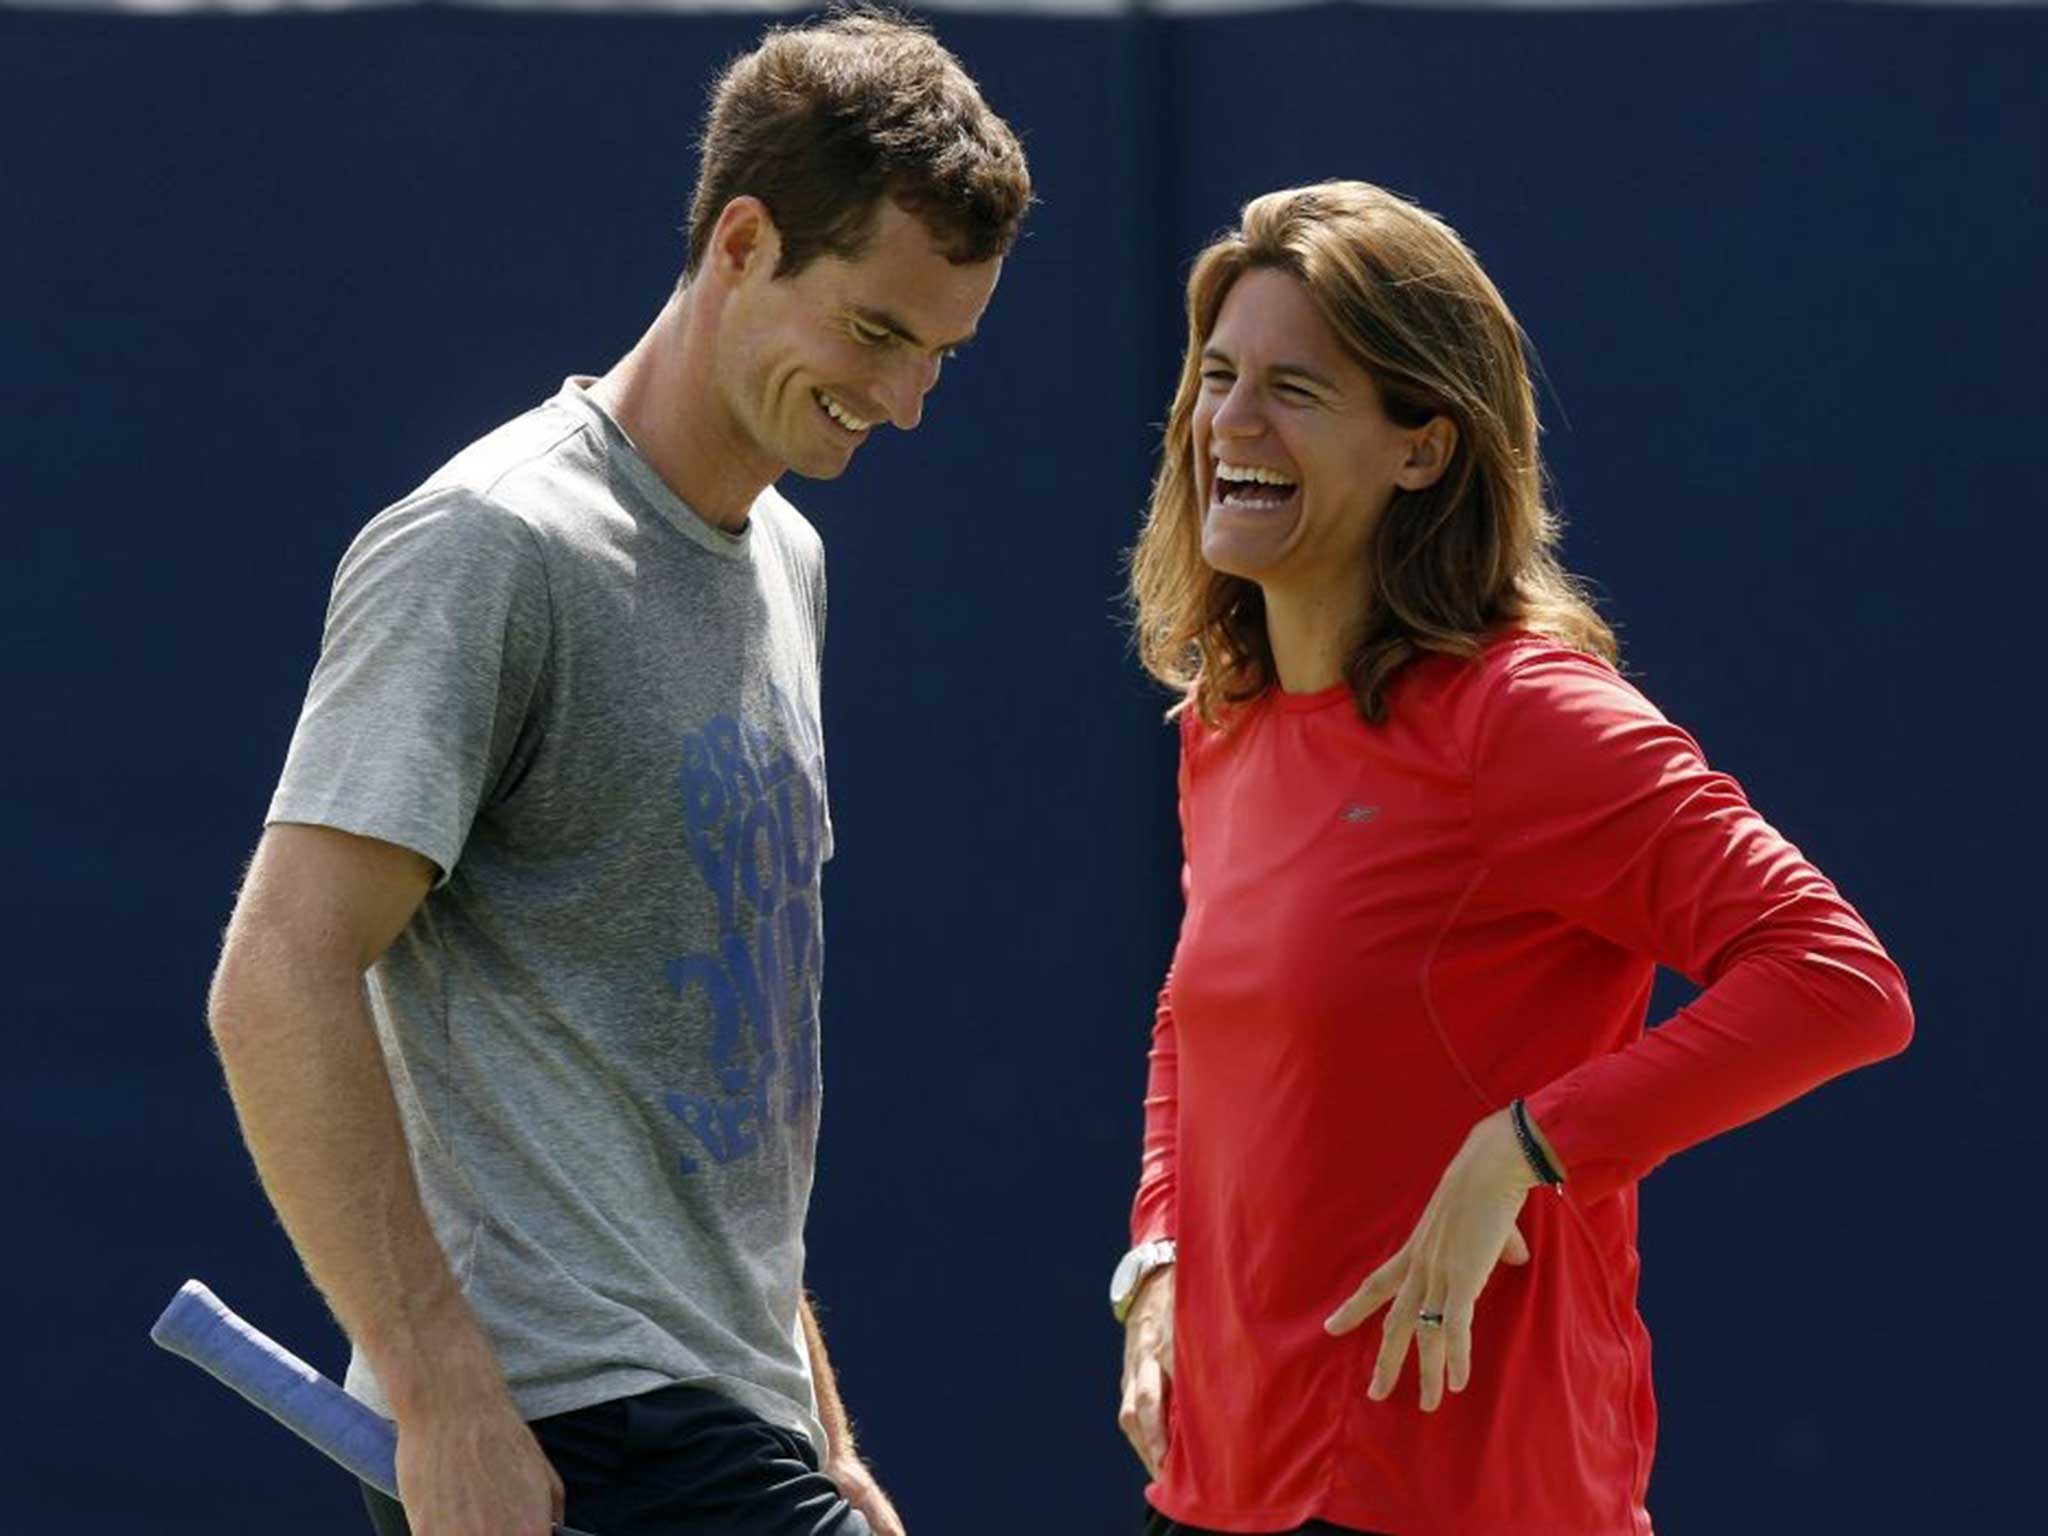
314	1099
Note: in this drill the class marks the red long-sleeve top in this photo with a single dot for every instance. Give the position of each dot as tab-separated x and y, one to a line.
1391	932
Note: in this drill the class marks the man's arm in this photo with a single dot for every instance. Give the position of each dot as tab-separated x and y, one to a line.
842	1462
310	1088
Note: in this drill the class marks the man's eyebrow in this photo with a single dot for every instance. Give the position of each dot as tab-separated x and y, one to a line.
881	319
1290	370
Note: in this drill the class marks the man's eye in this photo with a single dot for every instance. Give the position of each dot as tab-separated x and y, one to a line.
869	335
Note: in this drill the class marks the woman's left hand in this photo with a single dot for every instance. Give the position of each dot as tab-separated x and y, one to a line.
1467	1228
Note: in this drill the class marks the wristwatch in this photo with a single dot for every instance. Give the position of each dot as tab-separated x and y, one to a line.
1131	1271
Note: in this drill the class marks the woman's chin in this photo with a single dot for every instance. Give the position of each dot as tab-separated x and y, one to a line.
1249	541
1251	559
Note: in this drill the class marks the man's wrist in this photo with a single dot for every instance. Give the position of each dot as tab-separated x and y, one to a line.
448	1367
840	1451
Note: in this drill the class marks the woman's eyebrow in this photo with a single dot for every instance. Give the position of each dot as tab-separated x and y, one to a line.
1292	370
1299	371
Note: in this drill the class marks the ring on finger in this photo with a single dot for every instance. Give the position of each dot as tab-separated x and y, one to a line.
1430	1319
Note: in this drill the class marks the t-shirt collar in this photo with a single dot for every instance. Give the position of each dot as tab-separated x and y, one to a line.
626	458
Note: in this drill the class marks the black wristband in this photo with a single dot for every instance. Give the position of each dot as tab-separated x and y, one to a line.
1532	1149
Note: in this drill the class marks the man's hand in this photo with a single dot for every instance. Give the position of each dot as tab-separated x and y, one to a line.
1148	1368
857	1485
475	1471
467	1463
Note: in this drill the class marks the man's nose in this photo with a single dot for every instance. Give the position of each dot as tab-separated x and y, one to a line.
902	389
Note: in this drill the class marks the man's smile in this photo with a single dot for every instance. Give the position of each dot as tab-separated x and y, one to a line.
840	415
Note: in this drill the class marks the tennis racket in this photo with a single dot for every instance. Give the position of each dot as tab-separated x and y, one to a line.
199	1326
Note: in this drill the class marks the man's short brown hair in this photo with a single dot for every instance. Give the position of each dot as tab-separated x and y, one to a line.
822	121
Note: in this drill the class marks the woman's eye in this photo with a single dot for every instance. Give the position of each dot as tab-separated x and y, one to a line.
1216	375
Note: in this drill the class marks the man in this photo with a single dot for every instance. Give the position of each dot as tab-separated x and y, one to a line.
558	789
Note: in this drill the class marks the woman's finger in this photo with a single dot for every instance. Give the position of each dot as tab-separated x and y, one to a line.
1154	1416
1369	1297
1458	1345
1395	1332
1516	1249
1431	1328
1140	1416
1127	1421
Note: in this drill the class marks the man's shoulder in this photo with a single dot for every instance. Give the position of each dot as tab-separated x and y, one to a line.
518	487
508	465
788	527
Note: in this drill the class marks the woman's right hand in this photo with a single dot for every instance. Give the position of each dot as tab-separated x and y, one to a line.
1148	1368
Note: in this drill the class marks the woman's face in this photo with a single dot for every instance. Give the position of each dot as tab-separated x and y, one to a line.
1294	458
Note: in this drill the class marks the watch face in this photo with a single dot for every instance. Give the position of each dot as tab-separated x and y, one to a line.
1126	1276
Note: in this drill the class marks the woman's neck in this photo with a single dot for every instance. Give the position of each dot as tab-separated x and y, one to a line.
1312	634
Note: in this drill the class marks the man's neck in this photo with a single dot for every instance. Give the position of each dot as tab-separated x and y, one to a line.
663	396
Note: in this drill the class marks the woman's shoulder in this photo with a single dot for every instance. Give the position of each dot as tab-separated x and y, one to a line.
1520	686
1196	733
1535	700
1219	735
1525	656
1535	670
1517	677
1502	657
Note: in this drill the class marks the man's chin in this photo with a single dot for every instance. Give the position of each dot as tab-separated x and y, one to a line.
823	460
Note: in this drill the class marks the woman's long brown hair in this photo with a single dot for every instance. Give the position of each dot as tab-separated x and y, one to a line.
1472	553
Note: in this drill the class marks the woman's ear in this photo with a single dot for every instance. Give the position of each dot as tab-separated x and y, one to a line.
1430	447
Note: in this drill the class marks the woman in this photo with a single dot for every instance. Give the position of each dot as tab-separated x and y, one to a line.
1435	848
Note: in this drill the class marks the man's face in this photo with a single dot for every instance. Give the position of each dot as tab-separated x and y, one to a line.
813	362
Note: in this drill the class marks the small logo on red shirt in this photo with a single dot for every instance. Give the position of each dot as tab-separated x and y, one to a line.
1361	812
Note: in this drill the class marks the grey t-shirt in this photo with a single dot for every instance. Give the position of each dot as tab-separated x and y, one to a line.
598	715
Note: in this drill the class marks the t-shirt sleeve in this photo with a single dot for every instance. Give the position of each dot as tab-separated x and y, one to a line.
818	605
1152	1209
1593	806
815	566
436	639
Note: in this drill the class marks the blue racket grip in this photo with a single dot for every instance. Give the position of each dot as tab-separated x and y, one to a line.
199	1325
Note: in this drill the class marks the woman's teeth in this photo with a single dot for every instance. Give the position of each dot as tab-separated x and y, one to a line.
1248	482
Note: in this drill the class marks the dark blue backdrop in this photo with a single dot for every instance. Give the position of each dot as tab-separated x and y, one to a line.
1782	264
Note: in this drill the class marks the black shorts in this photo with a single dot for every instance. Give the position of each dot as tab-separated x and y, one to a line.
678	1460
1157	1524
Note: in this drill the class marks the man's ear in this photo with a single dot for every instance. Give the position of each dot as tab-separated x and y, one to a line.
744	240
1430	447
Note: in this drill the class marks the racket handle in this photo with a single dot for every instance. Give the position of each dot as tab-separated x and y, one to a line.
199	1326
